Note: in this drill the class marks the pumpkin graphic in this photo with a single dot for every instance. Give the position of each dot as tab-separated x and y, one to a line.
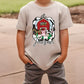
43	30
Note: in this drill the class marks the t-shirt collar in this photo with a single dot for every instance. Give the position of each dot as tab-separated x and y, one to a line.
41	7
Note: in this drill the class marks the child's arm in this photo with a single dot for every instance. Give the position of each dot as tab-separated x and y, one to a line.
64	40
20	45
65	22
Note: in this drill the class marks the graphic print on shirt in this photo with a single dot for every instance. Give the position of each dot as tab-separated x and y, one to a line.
43	30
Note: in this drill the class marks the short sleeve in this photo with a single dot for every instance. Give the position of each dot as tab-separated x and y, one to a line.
21	24
65	20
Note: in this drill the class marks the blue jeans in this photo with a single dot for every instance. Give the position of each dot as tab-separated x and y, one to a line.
56	74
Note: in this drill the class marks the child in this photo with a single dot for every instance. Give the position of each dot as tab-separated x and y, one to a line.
42	40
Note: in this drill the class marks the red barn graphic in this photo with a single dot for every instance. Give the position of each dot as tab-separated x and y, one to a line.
43	24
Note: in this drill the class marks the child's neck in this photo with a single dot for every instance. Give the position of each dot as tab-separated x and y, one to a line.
43	2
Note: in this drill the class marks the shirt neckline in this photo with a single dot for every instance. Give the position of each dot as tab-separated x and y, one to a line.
41	7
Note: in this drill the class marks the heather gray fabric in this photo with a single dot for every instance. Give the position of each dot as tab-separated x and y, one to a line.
56	74
42	26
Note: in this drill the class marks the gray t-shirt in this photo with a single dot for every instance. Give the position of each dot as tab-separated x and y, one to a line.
42	26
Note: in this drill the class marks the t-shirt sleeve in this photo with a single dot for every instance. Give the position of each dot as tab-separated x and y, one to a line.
65	20
21	24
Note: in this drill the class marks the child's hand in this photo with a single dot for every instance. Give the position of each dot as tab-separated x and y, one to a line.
60	59
26	60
